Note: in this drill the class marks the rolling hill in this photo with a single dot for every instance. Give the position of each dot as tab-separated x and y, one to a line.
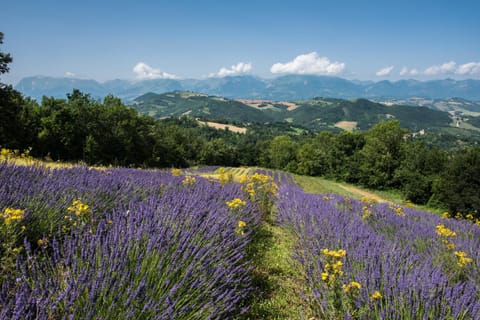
315	114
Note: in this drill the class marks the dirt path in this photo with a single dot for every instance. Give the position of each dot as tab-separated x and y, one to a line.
362	192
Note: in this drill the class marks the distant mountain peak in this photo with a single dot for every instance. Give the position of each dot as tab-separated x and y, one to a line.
285	87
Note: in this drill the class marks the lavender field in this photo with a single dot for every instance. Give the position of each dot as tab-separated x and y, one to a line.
84	243
364	260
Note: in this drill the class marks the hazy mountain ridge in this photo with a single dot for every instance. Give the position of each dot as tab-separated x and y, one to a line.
288	87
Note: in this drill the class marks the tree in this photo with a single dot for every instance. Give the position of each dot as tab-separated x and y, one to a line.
16	113
459	185
5	58
419	169
281	152
381	154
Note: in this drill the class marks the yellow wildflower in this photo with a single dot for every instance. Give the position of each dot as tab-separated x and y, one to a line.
11	215
463	260
445	215
443	231
352	287
236	203
375	296
335	254
324	276
242	224
399	211
79	208
189	181
176	172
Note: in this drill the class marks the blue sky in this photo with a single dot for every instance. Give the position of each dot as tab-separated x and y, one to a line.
357	39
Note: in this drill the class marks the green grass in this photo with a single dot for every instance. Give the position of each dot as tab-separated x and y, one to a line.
278	278
320	185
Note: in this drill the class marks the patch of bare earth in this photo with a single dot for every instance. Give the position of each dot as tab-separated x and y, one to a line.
346	125
363	193
223	126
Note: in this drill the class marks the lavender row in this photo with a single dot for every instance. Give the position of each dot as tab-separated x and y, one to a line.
394	266
156	247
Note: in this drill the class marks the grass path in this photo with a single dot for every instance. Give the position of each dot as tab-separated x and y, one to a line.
278	278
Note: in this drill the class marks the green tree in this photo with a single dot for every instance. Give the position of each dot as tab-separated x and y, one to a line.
281	152
420	167
5	58
17	116
459	185
380	156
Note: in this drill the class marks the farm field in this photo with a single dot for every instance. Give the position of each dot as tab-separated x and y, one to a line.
223	243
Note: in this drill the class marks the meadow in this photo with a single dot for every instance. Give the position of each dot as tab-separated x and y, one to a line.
213	243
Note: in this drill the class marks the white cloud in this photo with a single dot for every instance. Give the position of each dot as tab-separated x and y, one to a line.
468	68
385	71
69	74
309	63
447	67
239	68
405	71
144	71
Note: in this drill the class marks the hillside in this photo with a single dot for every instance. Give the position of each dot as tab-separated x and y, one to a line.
288	87
178	103
316	114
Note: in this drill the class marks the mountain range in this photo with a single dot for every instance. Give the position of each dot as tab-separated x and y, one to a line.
288	87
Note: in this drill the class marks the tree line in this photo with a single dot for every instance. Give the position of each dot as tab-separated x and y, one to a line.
104	132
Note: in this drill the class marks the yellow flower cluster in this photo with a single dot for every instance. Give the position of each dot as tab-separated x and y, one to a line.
241	227
224	176
10	215
463	260
4	153
399	211
79	208
259	183
189	181
352	288
176	172
375	296
368	204
334	254
236	203
445	215
444	233
333	267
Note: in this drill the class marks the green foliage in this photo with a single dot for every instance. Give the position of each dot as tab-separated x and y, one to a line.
419	168
459	184
380	156
5	58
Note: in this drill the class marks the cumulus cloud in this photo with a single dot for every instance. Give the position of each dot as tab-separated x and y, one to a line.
309	63
239	68
143	72
405	71
69	74
384	71
470	68
447	67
